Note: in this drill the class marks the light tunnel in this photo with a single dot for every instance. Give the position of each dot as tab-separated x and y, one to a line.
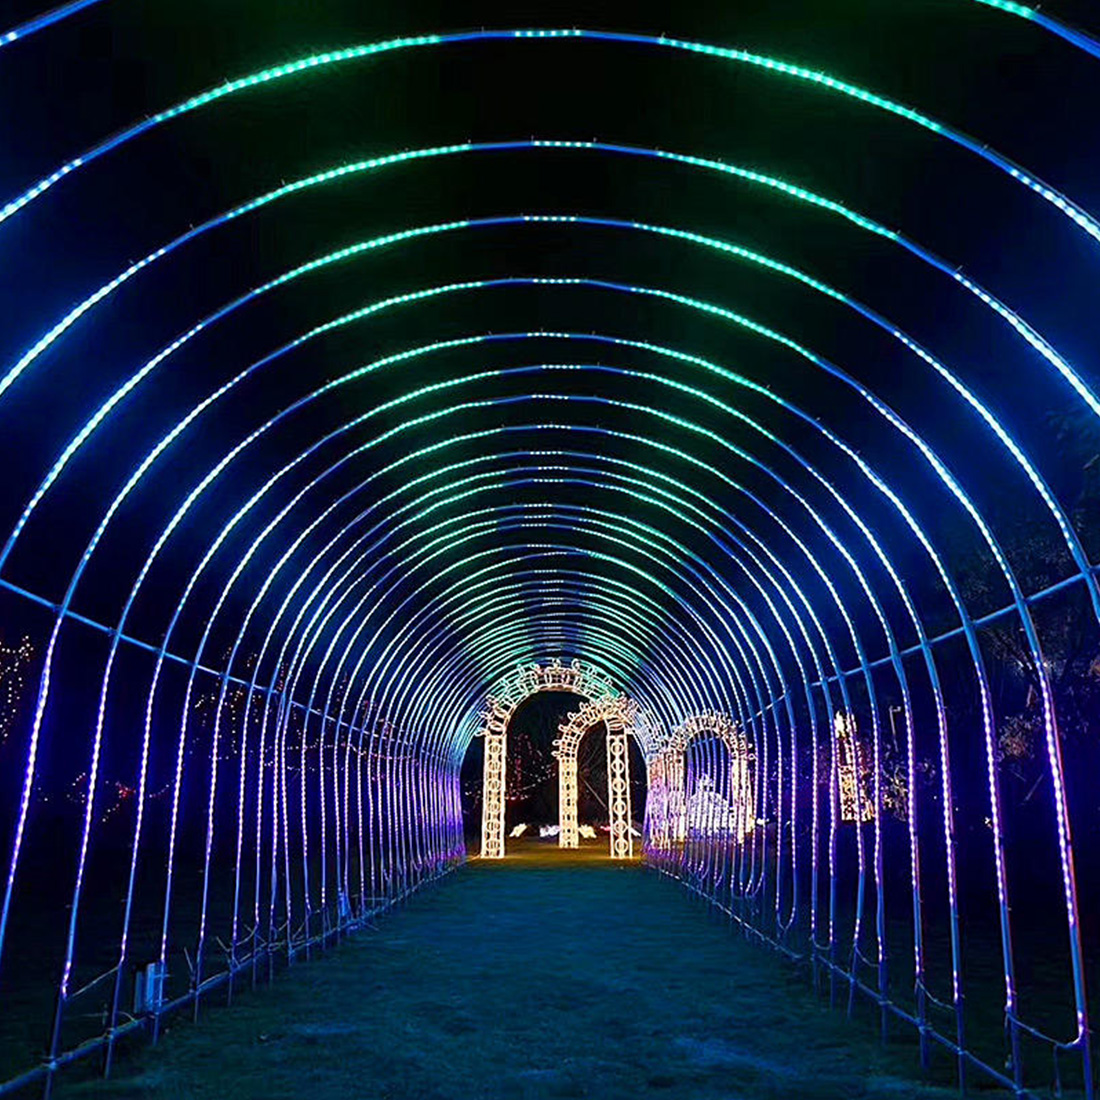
365	373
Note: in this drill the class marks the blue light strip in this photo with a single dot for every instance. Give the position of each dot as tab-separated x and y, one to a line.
40	22
1078	216
1072	35
1017	324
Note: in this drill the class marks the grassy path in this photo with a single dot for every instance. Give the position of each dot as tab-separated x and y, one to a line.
523	980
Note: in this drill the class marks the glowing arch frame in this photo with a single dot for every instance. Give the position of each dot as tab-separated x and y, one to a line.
669	778
619	714
577	677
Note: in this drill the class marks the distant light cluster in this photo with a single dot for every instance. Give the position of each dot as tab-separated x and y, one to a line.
853	775
15	661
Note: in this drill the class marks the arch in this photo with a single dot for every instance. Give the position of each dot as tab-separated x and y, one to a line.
576	677
620	715
672	815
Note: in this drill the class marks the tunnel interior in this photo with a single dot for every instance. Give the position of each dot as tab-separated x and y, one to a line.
672	431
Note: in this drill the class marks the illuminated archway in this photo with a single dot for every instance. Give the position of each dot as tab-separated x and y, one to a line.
577	677
730	815
619	714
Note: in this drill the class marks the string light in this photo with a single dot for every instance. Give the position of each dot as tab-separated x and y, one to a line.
672	813
853	776
576	678
618	714
15	661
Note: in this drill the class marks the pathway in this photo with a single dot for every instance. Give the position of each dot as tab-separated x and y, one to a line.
523	980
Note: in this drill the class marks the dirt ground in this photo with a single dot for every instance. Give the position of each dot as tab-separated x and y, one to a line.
541	976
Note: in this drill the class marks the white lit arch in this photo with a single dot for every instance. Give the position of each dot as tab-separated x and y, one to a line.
670	810
619	714
577	677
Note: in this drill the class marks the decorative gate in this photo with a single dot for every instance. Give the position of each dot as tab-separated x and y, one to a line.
732	814
618	714
577	677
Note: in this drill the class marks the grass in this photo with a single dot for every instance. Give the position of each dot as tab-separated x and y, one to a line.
542	976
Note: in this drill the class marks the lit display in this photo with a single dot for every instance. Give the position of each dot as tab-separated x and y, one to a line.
619	715
852	775
676	814
262	589
574	677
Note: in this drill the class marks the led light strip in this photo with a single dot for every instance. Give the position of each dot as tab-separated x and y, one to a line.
1079	217
41	22
999	308
1072	35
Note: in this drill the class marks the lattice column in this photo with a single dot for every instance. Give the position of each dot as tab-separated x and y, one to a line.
492	803
618	794
656	804
677	797
569	836
744	811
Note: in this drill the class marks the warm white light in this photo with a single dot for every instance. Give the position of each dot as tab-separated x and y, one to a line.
618	714
577	678
856	803
710	811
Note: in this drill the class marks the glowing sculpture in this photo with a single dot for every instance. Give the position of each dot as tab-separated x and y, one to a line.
672	815
708	813
856	803
575	677
619	715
